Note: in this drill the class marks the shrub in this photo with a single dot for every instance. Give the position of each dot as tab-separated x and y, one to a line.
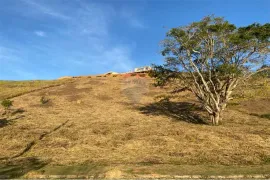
44	100
267	116
142	75
6	103
133	74
114	75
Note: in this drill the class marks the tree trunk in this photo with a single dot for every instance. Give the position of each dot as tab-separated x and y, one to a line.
215	118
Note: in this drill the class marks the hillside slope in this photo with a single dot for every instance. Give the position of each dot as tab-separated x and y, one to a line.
115	122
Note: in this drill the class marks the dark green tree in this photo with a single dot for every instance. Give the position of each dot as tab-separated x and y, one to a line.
210	57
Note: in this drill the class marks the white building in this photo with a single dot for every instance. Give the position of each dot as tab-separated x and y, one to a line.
143	69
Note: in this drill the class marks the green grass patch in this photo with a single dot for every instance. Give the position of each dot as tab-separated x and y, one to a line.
99	170
204	170
87	169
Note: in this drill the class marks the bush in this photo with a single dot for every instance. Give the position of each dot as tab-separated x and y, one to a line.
142	75
133	74
44	100
114	75
267	116
6	103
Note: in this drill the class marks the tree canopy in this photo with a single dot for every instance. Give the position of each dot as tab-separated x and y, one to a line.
209	58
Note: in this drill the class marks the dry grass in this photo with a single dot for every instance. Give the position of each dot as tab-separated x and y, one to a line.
9	89
115	121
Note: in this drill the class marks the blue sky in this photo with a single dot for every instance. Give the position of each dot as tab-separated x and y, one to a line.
46	39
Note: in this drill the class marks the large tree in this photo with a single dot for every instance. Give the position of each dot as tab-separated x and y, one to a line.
210	57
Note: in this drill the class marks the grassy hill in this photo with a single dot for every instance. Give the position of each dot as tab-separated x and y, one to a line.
118	127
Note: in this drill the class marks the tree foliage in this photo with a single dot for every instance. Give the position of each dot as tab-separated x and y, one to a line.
209	58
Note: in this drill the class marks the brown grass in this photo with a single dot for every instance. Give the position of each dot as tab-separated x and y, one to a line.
116	122
10	89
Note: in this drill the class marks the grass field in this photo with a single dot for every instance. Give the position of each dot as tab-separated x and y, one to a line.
9	89
117	127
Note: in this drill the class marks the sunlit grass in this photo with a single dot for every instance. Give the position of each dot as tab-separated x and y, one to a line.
9	89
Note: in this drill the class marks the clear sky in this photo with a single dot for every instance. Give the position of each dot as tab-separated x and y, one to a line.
46	39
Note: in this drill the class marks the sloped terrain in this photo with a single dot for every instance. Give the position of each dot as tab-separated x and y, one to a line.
105	123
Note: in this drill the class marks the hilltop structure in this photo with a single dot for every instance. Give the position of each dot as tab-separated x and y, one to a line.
143	69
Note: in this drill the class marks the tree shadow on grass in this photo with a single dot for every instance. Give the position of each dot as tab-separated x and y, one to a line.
18	168
181	111
10	119
4	121
17	111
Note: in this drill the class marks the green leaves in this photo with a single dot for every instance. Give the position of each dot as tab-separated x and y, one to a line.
228	69
222	27
255	31
176	33
6	103
214	40
210	56
162	75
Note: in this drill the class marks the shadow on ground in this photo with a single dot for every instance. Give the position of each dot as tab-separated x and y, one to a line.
18	168
3	122
10	119
181	111
17	111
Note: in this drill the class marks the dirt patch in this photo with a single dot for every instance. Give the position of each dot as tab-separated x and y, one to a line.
68	89
113	174
134	94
